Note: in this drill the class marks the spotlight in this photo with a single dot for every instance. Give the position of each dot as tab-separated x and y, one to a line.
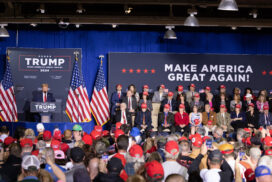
228	5
254	13
114	25
191	20
80	9
170	34
3	31
33	24
77	25
128	9
259	28
41	9
233	28
63	23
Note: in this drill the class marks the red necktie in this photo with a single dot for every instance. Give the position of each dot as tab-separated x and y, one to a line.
143	118
44	97
124	118
119	95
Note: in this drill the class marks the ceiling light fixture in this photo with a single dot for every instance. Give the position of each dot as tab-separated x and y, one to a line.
114	25
254	13
41	9
33	24
3	31
233	28
63	23
191	20
127	9
80	9
77	25
170	34
228	5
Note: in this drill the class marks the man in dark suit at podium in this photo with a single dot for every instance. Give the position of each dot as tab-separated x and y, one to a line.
43	96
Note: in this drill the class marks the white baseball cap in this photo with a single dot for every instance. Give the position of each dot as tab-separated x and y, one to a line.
248	95
30	161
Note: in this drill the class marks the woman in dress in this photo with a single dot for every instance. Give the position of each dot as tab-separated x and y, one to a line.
195	119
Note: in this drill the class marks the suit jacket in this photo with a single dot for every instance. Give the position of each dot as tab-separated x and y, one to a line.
245	105
218	103
213	103
224	120
262	119
149	97
148	103
139	119
189	97
200	106
133	102
205	118
156	96
176	95
253	119
114	100
118	117
170	118
173	104
39	97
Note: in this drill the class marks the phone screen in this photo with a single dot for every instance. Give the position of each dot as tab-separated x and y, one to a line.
209	143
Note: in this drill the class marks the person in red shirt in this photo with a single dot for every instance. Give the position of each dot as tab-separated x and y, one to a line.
182	120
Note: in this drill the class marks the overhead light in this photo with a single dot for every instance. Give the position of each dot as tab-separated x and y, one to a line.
80	9
254	13
259	28
41	9
77	25
63	23
127	9
3	31
114	25
228	5
191	20
170	34
233	28
33	24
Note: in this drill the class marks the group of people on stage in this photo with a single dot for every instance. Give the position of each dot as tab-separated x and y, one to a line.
182	111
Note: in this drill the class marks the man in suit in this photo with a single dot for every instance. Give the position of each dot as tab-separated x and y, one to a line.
249	100
203	95
123	116
223	119
170	101
116	98
190	94
131	102
146	89
43	96
166	120
178	93
160	94
222	90
197	102
265	119
143	120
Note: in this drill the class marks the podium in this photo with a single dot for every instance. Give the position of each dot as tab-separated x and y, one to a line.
45	109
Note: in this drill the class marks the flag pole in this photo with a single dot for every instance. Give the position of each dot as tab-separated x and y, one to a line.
101	59
76	53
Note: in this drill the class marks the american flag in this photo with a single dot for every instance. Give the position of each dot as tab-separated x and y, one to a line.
78	105
7	99
100	100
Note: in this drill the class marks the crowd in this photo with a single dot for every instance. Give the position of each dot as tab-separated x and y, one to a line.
197	136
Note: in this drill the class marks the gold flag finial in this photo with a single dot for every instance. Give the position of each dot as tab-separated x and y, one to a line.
101	59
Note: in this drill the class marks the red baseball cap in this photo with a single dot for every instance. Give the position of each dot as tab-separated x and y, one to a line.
118	132
26	142
64	147
247	141
247	130
55	145
181	106
267	141
196	140
105	133
118	125
251	104
180	88
250	175
197	121
9	140
268	152
154	170
95	134
162	86
222	106
98	128
196	95
238	106
143	106
87	139
170	94
265	107
172	147
222	86
146	86
192	85
57	134
208	88
47	135
136	151
35	152
183	138
167	106
145	93
210	122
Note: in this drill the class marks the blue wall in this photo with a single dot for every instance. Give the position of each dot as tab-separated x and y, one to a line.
94	43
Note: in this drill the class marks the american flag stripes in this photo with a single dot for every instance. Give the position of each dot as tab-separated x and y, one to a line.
78	105
7	99
100	100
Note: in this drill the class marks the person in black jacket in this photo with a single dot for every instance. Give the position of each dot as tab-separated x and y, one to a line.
166	120
252	117
143	120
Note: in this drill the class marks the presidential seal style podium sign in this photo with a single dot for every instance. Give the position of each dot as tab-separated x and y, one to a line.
45	109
